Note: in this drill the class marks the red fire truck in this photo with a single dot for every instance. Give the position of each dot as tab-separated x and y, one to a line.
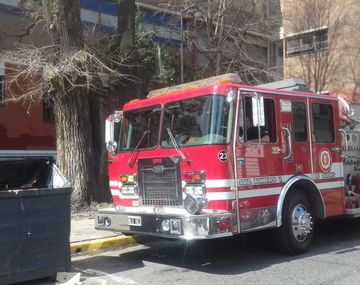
214	158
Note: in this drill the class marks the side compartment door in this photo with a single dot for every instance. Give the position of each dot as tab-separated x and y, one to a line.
326	152
296	147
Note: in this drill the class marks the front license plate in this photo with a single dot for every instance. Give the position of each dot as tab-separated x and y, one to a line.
134	221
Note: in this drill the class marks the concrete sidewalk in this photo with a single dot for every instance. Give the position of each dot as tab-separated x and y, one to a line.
83	228
85	238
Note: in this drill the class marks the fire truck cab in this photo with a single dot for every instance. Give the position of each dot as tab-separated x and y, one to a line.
214	158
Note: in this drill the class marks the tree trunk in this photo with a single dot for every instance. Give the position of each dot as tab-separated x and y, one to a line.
126	27
63	23
74	145
71	107
129	89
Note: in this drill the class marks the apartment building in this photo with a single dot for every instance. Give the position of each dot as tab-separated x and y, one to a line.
322	45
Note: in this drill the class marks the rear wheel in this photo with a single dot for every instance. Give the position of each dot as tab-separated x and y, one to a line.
296	232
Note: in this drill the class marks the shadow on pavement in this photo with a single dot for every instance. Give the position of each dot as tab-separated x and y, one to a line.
228	256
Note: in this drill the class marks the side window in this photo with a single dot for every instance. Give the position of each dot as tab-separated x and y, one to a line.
259	120
299	122
323	123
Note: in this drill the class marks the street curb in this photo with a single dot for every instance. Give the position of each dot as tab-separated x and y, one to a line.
103	243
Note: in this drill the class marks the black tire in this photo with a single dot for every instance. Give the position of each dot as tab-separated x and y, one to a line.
297	230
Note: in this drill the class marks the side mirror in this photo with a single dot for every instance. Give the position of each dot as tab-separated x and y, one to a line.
112	130
111	146
230	95
258	111
118	116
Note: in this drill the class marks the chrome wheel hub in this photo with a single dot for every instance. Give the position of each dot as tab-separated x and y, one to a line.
302	223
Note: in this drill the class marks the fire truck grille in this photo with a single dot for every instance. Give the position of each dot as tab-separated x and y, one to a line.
160	181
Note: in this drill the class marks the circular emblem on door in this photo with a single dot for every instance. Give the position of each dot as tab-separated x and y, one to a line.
325	160
223	156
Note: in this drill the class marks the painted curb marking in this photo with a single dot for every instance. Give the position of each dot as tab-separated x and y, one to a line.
96	244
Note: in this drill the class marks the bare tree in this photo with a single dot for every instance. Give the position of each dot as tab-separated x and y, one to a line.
353	61
70	82
322	67
231	36
351	47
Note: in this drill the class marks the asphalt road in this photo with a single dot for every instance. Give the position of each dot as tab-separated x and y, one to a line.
334	258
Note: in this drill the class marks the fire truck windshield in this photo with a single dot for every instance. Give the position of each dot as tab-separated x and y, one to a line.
140	129
198	121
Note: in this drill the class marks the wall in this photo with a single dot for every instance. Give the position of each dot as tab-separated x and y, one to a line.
22	125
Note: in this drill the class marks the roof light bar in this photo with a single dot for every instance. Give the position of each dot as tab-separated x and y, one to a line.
225	78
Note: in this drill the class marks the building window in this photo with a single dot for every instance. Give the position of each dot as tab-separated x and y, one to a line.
323	123
2	89
307	42
48	113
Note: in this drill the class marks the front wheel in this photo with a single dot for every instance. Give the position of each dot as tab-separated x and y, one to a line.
296	232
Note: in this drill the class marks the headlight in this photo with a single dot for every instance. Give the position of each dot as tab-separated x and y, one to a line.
128	185
196	190
128	190
165	225
194	205
117	184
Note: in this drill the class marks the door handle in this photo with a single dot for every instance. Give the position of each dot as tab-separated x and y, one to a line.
288	138
276	150
346	142
335	149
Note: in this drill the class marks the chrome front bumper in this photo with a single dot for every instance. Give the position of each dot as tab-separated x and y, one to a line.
184	226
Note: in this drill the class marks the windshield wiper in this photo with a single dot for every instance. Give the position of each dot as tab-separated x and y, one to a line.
137	146
172	138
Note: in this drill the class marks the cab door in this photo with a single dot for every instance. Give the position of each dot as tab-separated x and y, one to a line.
327	161
258	160
296	143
